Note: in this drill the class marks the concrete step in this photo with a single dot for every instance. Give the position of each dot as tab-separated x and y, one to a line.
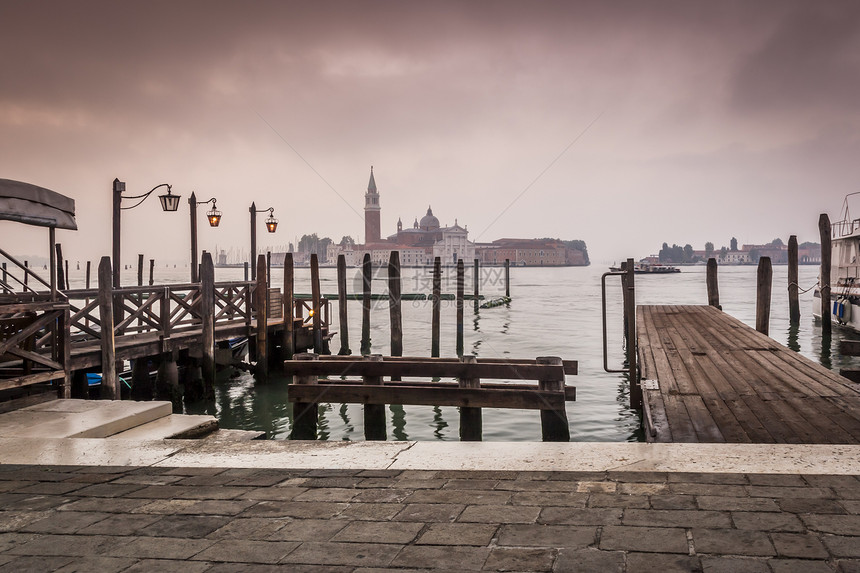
175	426
80	418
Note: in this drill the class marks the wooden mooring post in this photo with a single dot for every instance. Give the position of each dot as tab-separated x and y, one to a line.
207	312
151	272
713	284
554	426
110	389
629	296
374	414
140	270
824	285
289	308
508	278
471	422
315	302
476	279
61	280
305	414
764	280
793	286
436	298
461	280
366	275
343	322
394	304
262	302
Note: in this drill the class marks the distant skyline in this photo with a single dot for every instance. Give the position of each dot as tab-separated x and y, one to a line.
623	124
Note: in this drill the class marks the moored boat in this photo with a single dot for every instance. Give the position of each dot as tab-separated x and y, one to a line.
649	269
844	272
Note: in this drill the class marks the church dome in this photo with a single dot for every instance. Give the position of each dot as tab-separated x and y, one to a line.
428	221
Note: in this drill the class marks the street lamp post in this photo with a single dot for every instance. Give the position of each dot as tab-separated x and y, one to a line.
169	202
271	226
214	217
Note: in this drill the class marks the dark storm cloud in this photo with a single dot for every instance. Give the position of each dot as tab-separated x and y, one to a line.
810	62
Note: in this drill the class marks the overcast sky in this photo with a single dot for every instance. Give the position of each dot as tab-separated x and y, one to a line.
625	124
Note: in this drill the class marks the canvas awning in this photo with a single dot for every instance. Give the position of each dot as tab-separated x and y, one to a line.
33	205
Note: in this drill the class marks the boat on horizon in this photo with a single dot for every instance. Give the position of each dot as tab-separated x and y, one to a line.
649	269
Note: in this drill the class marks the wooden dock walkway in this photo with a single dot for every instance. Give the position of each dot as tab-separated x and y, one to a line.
707	377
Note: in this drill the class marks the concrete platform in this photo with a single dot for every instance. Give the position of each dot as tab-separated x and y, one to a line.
171	426
80	418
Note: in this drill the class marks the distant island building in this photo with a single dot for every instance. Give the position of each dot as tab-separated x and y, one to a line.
427	239
418	245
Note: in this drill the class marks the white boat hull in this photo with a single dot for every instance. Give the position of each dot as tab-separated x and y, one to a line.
844	307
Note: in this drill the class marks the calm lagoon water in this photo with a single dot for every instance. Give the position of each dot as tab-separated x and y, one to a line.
555	312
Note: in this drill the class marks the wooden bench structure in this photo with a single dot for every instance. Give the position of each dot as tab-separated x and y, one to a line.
324	379
707	377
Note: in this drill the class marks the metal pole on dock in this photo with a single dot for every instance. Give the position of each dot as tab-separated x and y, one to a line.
110	389
395	310
764	279
436	307
192	204
341	307
713	284
630	322
824	286
253	210
793	287
366	274
207	311
508	278
262	296
289	313
374	414
461	280
315	301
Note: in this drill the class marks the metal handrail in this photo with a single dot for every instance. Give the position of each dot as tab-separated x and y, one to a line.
603	315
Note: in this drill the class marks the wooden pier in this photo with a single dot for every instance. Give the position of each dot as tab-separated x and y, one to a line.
707	377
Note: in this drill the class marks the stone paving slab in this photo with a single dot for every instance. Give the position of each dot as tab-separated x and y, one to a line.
52	518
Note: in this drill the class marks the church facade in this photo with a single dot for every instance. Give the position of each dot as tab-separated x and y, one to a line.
418	245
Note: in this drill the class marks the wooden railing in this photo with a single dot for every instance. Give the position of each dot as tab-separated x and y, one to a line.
314	383
34	345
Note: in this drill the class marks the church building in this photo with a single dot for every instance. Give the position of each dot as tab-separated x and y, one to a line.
418	245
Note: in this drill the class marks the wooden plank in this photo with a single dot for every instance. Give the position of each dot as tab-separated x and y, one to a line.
680	424
415	368
422	396
706	427
31	379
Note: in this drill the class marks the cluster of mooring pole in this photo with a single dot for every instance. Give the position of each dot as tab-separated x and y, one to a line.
764	280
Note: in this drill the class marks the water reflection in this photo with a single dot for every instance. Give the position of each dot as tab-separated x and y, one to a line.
348	428
439	424
398	421
794	337
323	430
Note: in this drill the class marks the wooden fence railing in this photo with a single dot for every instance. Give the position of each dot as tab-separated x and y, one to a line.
324	379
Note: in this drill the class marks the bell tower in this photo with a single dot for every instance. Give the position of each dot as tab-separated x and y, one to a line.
372	227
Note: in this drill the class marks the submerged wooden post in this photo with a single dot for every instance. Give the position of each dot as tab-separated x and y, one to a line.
436	299
315	302
207	311
471	424
262	300
140	270
305	414
824	286
366	273
764	278
713	285
477	280
553	423
110	381
61	281
343	323
289	313
630	321
508	278
793	287
461	279
395	310
374	414
151	272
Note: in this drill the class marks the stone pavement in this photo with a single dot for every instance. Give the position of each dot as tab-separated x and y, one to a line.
110	519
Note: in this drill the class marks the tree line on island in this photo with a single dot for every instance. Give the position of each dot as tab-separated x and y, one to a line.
677	254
